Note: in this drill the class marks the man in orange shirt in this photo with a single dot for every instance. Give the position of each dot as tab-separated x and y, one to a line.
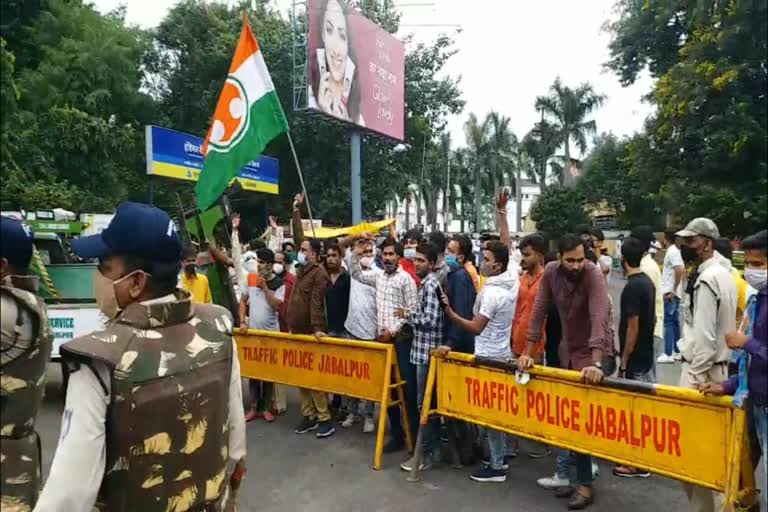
533	249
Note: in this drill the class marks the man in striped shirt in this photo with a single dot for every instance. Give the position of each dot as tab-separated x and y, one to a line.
395	289
428	322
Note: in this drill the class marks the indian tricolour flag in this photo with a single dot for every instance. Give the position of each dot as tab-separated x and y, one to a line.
248	116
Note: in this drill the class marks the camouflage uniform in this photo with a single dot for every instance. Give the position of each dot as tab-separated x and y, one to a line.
26	341
167	421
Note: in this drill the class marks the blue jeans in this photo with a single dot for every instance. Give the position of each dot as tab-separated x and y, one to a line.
671	325
648	377
497	446
430	436
408	374
760	418
583	466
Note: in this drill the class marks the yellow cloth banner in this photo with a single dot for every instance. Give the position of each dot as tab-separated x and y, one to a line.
364	227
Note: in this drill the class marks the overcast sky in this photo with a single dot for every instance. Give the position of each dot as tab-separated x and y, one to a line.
510	51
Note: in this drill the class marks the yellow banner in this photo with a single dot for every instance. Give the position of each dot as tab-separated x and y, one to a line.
350	368
686	438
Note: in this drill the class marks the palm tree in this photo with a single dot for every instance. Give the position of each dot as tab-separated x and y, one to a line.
541	143
501	141
569	109
476	134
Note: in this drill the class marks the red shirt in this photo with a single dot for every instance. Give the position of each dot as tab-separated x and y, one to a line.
526	296
409	267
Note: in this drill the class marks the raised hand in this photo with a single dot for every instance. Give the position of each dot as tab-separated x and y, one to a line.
235	220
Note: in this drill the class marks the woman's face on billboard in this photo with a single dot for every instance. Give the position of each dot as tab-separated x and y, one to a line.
335	40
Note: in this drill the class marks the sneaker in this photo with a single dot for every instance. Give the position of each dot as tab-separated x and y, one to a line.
487	474
627	472
349	420
665	359
540	453
394	445
325	429
504	465
368	426
424	465
553	482
677	357
306	425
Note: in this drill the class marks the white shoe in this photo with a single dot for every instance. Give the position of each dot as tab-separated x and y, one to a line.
349	420
665	359
369	426
553	482
595	471
677	357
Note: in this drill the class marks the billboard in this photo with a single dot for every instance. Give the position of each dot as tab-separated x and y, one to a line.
355	69
178	155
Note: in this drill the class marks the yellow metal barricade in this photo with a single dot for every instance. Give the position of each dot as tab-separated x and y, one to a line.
675	432
360	369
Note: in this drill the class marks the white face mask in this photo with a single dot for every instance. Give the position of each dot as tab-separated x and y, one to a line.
251	266
409	253
104	292
366	261
278	268
757	278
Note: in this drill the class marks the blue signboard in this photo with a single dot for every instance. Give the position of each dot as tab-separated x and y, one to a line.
179	155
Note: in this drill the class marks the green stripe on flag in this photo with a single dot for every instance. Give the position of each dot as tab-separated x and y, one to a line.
266	122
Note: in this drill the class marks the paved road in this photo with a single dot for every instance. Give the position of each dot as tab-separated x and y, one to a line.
290	473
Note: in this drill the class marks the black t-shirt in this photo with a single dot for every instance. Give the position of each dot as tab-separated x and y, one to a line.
638	299
337	303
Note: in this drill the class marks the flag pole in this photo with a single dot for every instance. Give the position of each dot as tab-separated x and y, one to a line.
301	180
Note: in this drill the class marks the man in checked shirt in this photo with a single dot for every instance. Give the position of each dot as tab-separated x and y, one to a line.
395	289
428	322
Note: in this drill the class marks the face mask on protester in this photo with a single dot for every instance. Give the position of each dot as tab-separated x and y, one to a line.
301	259
486	269
278	269
104	292
452	261
366	261
251	266
757	278
409	254
688	254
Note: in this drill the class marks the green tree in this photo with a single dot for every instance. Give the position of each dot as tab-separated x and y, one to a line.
559	210
569	109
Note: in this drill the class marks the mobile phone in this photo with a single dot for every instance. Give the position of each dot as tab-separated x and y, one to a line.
440	295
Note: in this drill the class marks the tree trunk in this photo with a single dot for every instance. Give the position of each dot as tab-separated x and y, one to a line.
477	193
565	178
407	212
433	207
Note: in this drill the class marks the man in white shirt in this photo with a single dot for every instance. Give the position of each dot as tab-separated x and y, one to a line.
361	322
672	276
650	268
492	326
703	348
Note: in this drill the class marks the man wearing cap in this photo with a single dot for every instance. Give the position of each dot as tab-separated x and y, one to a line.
703	349
148	422
25	342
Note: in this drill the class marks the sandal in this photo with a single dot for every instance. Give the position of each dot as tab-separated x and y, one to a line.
630	472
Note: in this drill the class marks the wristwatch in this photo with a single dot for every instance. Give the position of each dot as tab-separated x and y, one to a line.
598	365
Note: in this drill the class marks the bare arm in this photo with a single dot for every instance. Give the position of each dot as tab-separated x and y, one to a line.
679	275
296	228
356	272
243	308
474	326
273	299
633	328
501	216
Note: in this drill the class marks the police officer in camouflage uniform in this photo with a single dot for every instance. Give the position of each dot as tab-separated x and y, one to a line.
25	345
147	424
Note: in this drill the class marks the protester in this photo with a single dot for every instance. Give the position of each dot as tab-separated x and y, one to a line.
361	322
428	322
533	248
672	276
492	327
704	352
617	254
597	239
395	289
581	295
723	246
192	281
752	338
440	241
636	325
117	397
337	294
306	315
461	293
649	266
411	240
259	307
25	342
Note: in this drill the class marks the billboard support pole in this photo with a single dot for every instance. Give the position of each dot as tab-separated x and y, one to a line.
301	180
357	201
